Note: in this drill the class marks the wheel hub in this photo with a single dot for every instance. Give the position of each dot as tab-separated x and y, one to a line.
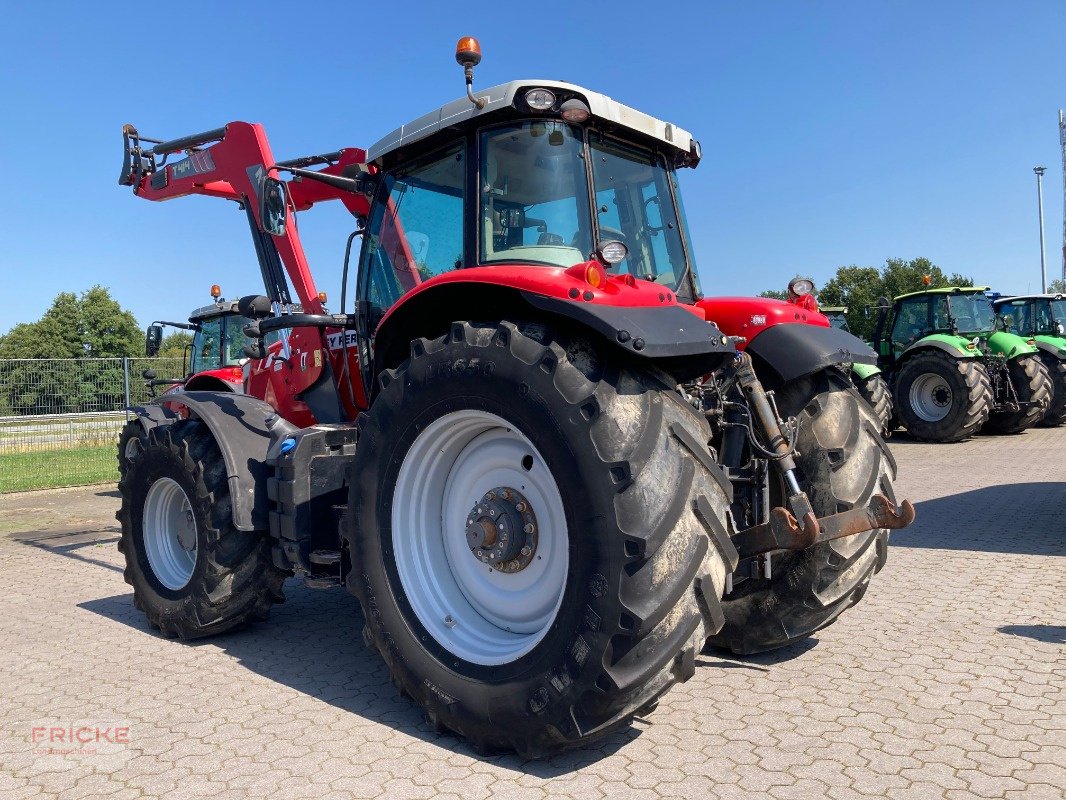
501	530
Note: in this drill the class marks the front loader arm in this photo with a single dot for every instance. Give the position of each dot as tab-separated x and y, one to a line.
229	162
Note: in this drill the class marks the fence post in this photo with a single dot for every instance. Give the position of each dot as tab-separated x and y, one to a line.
126	385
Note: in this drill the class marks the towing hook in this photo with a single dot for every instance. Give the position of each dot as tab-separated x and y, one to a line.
784	532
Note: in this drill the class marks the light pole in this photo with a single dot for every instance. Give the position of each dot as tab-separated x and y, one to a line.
1040	205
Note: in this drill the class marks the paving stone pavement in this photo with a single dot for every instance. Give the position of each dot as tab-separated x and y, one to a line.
947	681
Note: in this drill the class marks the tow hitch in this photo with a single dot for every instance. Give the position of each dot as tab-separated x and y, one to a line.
796	527
783	531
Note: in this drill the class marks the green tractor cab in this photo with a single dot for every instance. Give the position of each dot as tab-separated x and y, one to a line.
1042	319
867	378
954	370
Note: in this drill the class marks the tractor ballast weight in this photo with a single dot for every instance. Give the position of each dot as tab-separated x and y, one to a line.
516	488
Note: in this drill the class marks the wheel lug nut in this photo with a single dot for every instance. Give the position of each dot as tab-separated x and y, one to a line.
529	527
520	507
526	551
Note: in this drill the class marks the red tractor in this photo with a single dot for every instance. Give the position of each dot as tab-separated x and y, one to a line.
217	362
501	447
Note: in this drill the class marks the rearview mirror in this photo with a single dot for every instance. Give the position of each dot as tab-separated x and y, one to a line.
153	338
273	207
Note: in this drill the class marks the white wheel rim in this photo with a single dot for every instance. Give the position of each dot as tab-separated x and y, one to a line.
131	448
478	613
169	530
930	397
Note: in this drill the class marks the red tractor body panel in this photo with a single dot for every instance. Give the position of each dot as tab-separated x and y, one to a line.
563	283
750	316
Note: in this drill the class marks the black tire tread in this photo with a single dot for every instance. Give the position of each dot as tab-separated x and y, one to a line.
874	390
238	582
842	461
661	604
1056	413
1031	383
978	388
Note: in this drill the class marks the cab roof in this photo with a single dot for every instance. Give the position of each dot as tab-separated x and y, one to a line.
214	310
504	95
947	290
1001	300
824	309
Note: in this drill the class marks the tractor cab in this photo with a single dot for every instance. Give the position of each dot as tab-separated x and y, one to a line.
1033	315
955	311
837	316
531	175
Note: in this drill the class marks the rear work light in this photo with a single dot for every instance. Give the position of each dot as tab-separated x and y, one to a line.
540	99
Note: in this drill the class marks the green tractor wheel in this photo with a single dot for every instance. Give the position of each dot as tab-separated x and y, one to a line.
1056	413
1032	384
875	392
939	398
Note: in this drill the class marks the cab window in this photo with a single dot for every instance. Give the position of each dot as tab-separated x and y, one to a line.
912	322
416	231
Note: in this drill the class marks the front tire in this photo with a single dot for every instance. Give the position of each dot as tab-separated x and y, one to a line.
193	574
131	440
940	398
841	463
1031	383
610	468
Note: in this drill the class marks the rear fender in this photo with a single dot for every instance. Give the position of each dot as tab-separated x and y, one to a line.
1052	345
794	351
244	428
1010	345
750	316
666	334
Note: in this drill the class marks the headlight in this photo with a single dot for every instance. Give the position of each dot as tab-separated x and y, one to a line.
540	99
801	286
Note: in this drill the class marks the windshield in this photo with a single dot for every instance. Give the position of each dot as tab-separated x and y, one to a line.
634	205
1058	311
207	345
837	320
208	351
972	313
534	195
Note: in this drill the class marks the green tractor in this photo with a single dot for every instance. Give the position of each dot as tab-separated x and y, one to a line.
867	378
1042	317
953	370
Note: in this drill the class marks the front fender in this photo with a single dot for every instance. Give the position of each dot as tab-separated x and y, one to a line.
243	428
793	351
954	346
865	371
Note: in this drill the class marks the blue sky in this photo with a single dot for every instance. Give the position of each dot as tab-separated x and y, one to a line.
834	132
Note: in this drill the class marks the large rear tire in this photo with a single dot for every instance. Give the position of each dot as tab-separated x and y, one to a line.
842	462
193	574
940	398
1031	383
874	390
565	639
1056	413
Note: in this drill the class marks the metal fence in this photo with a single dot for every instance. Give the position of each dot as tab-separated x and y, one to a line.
60	418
